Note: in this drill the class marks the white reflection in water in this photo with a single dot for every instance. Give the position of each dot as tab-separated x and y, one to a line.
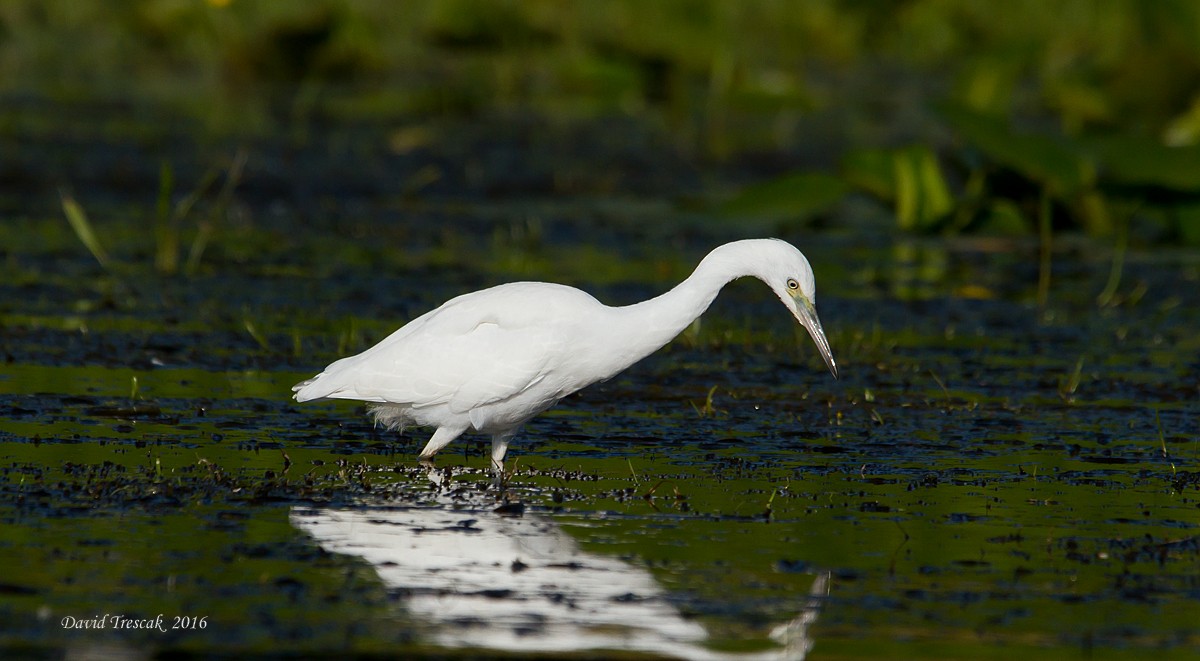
521	584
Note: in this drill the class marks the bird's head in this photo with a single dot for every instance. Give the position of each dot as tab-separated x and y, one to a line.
788	273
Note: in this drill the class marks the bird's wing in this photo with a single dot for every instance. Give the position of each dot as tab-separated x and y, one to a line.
487	364
474	350
503	363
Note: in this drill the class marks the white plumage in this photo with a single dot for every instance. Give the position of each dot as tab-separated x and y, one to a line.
490	360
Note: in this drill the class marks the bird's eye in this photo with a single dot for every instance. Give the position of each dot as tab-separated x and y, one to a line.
792	284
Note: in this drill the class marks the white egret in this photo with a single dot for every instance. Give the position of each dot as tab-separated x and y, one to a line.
490	360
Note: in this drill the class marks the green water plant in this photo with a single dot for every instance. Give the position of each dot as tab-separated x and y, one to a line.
707	410
1045	250
255	333
78	219
169	219
1012	179
207	226
909	179
1162	439
792	195
1108	296
1068	386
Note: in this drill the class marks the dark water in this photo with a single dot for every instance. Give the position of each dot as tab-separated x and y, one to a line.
987	477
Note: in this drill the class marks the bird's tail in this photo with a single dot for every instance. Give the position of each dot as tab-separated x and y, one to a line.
307	391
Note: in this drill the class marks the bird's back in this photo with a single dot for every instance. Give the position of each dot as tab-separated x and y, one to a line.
476	349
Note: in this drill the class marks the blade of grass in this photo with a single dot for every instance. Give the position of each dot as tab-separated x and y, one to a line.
1162	438
945	391
1044	250
209	225
1109	295
255	333
166	230
184	206
167	258
1071	383
199	245
79	222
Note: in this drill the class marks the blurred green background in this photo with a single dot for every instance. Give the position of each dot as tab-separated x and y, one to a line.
947	115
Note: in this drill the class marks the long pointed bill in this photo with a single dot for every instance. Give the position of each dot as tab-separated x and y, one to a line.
806	314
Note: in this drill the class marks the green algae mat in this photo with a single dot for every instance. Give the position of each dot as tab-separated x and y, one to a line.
988	477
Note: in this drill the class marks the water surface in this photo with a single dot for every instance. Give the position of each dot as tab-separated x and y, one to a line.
987	478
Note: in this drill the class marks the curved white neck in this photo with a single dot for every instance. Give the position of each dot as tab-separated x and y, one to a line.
642	328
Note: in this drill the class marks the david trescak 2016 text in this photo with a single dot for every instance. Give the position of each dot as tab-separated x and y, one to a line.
118	621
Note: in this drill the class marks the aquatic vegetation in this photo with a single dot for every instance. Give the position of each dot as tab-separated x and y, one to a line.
949	135
203	202
946	486
82	227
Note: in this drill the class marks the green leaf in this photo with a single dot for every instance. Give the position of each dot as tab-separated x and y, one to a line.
1054	162
1004	218
922	197
910	178
794	195
1132	160
1187	218
872	170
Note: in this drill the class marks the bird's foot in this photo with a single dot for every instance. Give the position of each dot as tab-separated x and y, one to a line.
437	476
500	477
